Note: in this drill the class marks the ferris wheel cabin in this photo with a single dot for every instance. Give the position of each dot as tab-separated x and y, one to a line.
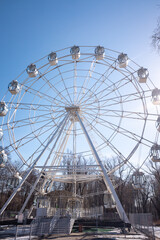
156	96
14	87
75	52
32	70
52	58
143	74
138	180
3	109
3	158
99	53
155	153
123	60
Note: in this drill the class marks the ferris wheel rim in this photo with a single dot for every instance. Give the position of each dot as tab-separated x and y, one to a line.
71	62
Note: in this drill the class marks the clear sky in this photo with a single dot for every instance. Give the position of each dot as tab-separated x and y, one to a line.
31	29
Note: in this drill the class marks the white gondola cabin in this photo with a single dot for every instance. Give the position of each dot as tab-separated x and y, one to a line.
123	60
143	74
32	70
52	58
75	52
155	153
156	96
3	158
158	124
1	134
14	87
99	53
138	180
3	109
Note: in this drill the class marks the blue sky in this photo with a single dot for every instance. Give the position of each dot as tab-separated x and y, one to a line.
32	28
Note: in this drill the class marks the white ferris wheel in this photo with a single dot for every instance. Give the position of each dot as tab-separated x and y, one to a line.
86	101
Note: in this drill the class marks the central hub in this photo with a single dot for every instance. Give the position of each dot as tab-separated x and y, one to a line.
72	110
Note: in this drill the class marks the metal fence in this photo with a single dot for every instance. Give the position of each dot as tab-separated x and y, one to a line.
23	231
41	227
37	228
143	222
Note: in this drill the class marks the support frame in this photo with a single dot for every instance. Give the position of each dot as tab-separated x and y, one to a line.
107	180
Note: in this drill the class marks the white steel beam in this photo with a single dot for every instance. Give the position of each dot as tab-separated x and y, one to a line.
60	153
37	180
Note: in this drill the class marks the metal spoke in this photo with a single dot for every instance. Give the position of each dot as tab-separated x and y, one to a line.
64	84
87	79
122	130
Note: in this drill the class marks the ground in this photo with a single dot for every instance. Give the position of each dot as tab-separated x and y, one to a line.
112	235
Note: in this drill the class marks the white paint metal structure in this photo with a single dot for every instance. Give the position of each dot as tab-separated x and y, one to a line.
88	104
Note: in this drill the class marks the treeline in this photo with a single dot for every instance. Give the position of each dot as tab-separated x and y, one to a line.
142	200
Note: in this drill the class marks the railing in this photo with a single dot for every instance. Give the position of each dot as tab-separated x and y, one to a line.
40	227
143	222
54	221
8	215
92	212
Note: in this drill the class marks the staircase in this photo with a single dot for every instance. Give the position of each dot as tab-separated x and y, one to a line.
57	225
40	226
54	221
63	225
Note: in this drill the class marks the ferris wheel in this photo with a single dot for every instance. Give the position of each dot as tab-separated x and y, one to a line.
86	101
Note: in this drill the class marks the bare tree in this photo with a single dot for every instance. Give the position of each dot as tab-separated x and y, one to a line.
155	188
156	36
